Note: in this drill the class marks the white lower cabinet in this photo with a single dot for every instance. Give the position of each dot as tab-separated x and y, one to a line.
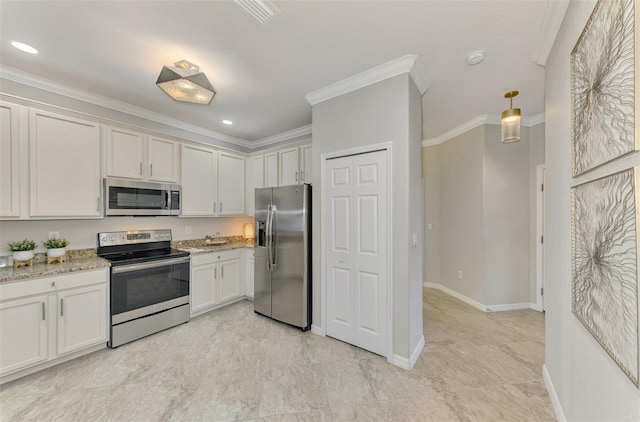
215	279
81	318
249	273
43	319
23	333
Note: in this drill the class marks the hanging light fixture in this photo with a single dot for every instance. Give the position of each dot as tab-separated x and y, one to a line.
510	120
185	82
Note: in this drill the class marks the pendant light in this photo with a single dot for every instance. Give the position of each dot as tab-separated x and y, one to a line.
510	120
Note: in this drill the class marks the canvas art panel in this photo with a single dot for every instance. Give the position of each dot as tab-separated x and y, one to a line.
602	87
604	288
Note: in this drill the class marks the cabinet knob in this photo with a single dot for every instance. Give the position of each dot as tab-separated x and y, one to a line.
53	284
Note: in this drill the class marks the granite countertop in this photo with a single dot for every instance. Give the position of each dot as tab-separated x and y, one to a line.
197	247
42	269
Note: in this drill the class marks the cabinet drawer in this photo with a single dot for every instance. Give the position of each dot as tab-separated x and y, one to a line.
213	257
51	284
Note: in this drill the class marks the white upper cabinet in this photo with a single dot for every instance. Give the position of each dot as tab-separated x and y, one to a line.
64	158
295	166
162	160
9	161
125	153
134	155
212	182
289	172
230	184
199	187
306	168
271	170
255	180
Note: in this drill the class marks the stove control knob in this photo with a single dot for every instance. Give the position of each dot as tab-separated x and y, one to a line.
112	238
103	239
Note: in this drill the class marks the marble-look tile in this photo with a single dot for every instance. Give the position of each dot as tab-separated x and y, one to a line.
291	389
231	364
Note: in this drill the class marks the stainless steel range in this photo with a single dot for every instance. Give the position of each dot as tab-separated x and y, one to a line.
149	283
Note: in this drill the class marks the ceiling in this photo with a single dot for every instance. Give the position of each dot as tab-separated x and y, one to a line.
262	72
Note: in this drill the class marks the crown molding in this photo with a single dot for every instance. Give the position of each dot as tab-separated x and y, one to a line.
553	16
485	119
404	64
116	105
282	137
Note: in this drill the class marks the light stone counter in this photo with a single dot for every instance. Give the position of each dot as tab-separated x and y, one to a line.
44	270
200	246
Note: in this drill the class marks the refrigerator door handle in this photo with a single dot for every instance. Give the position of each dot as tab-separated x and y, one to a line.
268	236
274	210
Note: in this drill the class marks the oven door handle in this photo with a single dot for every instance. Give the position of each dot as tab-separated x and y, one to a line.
147	265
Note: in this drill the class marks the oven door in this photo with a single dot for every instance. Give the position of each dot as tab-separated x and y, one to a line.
146	288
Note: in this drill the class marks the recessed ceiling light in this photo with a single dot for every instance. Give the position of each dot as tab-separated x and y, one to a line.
475	57
227	122
24	47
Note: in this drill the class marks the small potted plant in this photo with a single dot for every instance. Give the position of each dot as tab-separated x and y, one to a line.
22	250
55	247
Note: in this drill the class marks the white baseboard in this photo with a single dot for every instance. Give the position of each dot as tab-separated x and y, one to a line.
478	305
405	363
316	329
553	395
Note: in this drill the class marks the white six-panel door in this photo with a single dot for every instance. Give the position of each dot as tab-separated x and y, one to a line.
356	206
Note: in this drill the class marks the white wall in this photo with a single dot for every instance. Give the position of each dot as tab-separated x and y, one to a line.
378	113
461	214
478	200
588	383
431	199
506	218
82	233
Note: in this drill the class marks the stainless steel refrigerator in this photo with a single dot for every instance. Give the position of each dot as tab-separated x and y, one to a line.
282	283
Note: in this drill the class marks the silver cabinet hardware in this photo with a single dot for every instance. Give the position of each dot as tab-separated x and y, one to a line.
62	307
53	284
214	207
151	169
215	273
98	204
222	272
140	168
43	313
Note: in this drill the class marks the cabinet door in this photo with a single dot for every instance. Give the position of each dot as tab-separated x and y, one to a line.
230	184
125	153
199	190
9	161
306	169
23	333
163	160
82	318
250	270
229	279
255	179
271	170
64	166
203	286
289	173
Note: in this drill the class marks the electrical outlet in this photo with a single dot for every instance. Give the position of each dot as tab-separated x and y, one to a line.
187	230
415	239
460	274
54	235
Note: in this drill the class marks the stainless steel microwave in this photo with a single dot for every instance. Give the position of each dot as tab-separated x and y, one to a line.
131	197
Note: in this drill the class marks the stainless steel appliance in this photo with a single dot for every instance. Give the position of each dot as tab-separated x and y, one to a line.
149	286
283	254
131	197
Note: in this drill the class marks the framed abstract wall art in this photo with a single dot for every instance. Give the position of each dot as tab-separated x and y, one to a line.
602	87
605	270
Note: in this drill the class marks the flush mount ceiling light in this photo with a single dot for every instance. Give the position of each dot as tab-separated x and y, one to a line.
185	82
227	122
510	120
24	47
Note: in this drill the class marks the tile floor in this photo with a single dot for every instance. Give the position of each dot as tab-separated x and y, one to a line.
231	364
